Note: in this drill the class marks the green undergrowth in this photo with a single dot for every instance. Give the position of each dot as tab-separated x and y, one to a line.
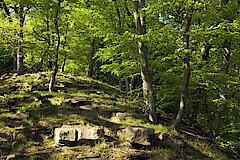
32	138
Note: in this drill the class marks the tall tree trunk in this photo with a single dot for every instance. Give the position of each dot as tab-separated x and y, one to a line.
54	73
20	49
132	83
134	77
126	82
184	93
4	6
63	47
147	83
63	64
197	92
40	63
222	90
14	53
224	71
49	38
125	77
97	68
14	56
89	71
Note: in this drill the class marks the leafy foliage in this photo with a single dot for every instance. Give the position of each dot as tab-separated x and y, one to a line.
111	24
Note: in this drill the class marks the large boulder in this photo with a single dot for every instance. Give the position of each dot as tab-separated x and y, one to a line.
138	135
74	134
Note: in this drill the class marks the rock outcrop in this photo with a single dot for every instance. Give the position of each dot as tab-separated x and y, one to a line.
138	135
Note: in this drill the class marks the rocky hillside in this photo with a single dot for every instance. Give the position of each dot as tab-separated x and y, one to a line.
85	119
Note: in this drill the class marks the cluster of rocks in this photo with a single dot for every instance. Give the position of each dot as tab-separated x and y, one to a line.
138	137
90	109
79	134
134	135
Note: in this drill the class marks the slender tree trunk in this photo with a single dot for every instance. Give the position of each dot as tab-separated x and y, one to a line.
4	6
125	77
224	71
40	63
14	56
147	83
133	78
205	51
222	90
54	73
126	82
20	49
97	68
197	92
132	83
63	47
89	71
49	38
184	93
63	64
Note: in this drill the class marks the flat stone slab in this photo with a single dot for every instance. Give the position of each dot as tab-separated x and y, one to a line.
88	111
75	134
79	101
19	116
91	134
65	134
124	116
138	135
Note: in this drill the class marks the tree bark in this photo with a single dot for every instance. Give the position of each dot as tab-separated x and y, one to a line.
147	83
205	51
49	37
54	73
197	92
222	90
63	64
125	77
14	56
97	68
132	83
184	93
89	71
63	47
40	63
20	56
4	6
14	43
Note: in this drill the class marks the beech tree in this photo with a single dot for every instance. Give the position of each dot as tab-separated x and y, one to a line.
55	70
229	18
147	83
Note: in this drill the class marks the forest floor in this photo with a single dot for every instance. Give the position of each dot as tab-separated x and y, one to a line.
29	114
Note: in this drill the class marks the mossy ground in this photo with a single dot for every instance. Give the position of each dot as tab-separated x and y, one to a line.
33	138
